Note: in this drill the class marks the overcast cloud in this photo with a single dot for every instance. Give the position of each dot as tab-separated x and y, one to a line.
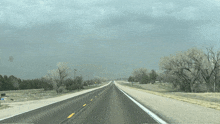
106	38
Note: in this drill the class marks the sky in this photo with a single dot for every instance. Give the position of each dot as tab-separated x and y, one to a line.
101	38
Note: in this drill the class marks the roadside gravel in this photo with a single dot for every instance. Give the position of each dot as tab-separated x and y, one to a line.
174	111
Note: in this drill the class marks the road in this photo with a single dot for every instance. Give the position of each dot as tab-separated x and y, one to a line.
107	105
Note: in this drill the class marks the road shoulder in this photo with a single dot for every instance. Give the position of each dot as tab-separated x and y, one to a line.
171	110
22	107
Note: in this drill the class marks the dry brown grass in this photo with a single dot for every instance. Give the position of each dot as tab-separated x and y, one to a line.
209	100
26	95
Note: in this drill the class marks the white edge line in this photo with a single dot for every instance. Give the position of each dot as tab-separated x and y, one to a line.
154	116
48	104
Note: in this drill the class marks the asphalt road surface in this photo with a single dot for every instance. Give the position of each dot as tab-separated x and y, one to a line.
107	105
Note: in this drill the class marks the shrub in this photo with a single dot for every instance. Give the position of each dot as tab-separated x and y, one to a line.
144	79
131	79
85	83
77	83
61	89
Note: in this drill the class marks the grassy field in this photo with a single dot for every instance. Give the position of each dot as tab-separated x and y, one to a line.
210	100
35	94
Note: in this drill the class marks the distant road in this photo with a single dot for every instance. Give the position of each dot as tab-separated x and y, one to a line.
107	105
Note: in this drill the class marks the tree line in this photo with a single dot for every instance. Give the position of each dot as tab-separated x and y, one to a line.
14	83
142	76
58	79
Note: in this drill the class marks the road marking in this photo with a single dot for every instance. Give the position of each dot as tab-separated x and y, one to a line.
154	116
70	115
84	105
91	100
49	104
95	96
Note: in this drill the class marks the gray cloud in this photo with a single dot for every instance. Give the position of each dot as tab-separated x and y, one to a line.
39	33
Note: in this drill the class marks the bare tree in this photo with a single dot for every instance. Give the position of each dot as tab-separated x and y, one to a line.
58	75
184	67
210	68
194	66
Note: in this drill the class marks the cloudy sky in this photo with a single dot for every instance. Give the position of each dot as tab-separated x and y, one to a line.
106	38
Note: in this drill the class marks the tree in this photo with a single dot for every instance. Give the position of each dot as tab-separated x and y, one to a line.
210	68
97	80
153	76
184	67
77	83
139	73
85	83
161	76
14	82
144	79
1	82
131	79
25	84
58	75
46	83
6	84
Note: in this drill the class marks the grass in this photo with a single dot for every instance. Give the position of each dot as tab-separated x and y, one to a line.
209	100
35	94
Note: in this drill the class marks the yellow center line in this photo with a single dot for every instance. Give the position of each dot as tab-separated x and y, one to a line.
70	115
84	105
95	96
91	100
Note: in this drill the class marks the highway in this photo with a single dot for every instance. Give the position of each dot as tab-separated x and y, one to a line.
107	105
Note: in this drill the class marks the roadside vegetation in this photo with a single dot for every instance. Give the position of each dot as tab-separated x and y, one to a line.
191	71
57	82
191	76
36	94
